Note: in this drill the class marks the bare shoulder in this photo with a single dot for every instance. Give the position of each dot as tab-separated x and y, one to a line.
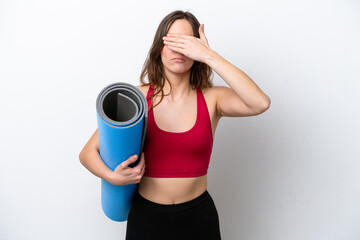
215	91
226	102
211	96
143	89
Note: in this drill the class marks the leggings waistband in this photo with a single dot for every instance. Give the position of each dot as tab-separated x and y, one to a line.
171	207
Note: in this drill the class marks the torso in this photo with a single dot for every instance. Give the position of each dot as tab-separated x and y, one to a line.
177	190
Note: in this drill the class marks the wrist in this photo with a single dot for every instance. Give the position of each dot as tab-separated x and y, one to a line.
211	57
109	176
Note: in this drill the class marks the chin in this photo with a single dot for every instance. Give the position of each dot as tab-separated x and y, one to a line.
179	69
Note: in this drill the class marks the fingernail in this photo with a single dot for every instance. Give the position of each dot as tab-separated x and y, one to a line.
135	156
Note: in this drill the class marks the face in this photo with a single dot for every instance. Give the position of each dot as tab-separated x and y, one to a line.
181	26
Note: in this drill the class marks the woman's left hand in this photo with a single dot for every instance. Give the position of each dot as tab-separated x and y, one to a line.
195	48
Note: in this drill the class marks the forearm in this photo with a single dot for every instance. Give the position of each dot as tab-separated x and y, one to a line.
92	161
241	83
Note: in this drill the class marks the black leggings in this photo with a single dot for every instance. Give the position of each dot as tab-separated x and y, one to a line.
195	219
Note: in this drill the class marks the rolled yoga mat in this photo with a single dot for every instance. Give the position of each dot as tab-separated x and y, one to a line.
122	120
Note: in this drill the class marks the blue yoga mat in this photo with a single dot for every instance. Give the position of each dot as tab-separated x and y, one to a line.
122	120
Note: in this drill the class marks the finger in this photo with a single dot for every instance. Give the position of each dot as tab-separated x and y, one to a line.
180	45
142	158
179	35
202	33
129	161
175	40
141	163
142	171
176	49
138	171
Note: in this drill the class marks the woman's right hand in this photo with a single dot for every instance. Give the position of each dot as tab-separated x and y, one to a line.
123	174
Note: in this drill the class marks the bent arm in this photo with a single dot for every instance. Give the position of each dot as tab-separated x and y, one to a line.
90	158
244	97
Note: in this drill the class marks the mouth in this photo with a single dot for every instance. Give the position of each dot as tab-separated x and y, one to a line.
178	59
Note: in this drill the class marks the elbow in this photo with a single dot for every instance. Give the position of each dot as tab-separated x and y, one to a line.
81	156
266	104
263	106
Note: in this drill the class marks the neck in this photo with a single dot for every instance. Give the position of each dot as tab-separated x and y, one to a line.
180	84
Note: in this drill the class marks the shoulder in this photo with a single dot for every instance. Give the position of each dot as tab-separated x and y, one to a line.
213	93
143	89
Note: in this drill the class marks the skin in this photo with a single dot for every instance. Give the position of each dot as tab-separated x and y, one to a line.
177	112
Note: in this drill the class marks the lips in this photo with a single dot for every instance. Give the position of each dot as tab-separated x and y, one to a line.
179	59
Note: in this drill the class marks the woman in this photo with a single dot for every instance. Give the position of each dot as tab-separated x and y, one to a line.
172	201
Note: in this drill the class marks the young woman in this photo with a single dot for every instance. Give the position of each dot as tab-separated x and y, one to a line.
172	201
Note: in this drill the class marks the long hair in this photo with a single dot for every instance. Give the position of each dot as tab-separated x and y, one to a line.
201	74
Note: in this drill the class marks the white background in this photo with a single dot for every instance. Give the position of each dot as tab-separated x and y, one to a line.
291	173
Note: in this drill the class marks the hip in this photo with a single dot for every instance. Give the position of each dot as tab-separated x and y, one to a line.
194	219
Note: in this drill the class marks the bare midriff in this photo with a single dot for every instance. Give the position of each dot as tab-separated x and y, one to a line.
172	190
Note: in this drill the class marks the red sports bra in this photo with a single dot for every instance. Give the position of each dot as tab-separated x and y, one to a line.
178	154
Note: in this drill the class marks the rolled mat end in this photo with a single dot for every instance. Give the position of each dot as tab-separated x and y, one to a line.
122	120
